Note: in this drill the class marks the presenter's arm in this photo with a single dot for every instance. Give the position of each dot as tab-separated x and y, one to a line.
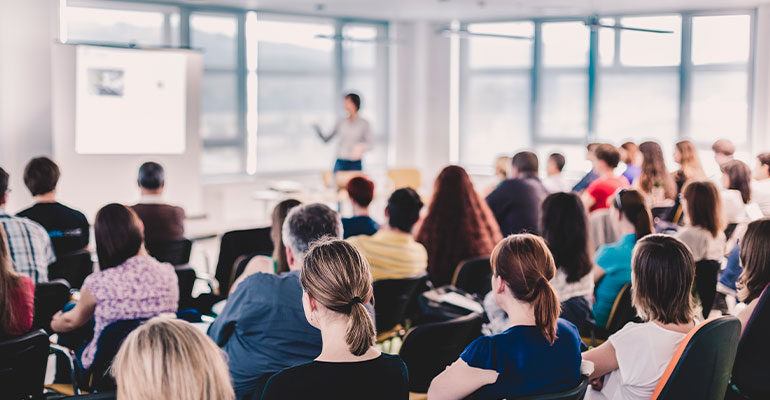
323	137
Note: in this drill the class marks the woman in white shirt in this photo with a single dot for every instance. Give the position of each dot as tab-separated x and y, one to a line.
736	178
355	136
629	365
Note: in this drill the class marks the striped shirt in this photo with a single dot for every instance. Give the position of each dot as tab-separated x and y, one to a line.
392	255
30	246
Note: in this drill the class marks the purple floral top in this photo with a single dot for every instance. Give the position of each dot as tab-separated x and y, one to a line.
141	287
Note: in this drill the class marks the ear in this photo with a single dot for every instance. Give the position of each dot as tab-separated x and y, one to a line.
498	284
387	214
289	256
312	304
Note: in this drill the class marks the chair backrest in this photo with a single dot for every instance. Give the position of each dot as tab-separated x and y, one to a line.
238	243
23	364
107	347
700	368
622	311
429	348
186	276
750	372
391	299
405	177
50	297
93	396
575	393
474	276
73	267
174	252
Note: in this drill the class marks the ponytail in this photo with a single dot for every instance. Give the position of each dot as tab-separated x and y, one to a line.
547	309
360	333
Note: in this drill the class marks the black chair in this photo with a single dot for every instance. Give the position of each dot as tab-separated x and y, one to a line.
50	297
706	273
93	396
429	348
391	299
622	312
73	267
750	376
23	363
186	277
474	276
107	347
238	243
576	393
174	252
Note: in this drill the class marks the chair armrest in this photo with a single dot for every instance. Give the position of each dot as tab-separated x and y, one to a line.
69	355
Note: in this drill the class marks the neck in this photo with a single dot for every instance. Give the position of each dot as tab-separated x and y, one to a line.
519	313
606	172
151	192
49	197
626	228
683	328
335	348
359	211
557	173
352	115
396	230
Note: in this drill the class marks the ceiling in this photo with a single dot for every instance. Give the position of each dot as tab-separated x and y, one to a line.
474	9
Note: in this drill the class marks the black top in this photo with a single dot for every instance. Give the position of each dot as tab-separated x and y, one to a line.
68	228
384	377
516	205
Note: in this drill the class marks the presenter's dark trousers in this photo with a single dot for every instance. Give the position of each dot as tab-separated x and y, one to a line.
347	165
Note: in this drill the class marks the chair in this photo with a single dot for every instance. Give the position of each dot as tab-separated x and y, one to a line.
23	363
706	272
576	393
429	348
93	396
186	277
73	267
391	299
700	368
50	297
107	347
235	244
174	252
622	312
474	276
405	178
751	377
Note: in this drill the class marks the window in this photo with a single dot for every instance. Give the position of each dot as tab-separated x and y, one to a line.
122	23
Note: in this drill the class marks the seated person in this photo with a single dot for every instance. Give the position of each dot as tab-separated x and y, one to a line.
392	252
538	353
555	182
336	284
361	192
162	221
760	186
756	266
630	364
28	241
68	228
516	202
263	328
17	295
591	175
141	367
607	184
736	195
129	284
629	154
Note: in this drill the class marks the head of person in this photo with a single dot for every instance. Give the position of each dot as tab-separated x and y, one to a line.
662	274
591	151
361	191
4	178
654	172
755	260
736	175
41	176
555	164
524	164
762	169
703	205
170	359
280	212
9	281
629	206
686	155
606	158
522	267
337	283
564	226
119	235
151	178
304	225
629	153
403	209
723	151
352	103
502	164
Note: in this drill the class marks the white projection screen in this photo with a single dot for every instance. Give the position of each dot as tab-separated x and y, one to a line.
129	101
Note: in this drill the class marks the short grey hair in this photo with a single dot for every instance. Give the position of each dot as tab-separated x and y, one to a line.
307	223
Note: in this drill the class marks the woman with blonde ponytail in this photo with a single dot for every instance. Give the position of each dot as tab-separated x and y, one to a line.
538	353
337	284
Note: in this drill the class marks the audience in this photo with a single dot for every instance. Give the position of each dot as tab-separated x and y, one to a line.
17	295
67	228
392	252
538	353
172	360
502	164
724	151
263	327
162	222
755	258
336	284
686	155
596	195
516	202
613	261
29	244
459	225
736	181
129	284
555	182
591	175
760	186
630	364
629	154
361	192
655	183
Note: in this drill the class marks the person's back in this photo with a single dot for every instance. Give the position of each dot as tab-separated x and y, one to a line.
162	221
516	204
361	192
17	295
359	225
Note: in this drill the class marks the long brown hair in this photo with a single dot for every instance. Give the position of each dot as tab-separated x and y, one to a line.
564	226
279	248
689	162
739	175
755	259
459	225
118	233
704	206
526	265
336	275
654	173
631	204
9	280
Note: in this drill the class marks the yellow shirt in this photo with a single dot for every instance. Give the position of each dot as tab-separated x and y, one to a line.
392	255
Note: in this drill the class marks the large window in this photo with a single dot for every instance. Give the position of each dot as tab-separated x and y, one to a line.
121	23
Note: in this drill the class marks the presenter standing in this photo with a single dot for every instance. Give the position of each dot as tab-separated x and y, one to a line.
355	136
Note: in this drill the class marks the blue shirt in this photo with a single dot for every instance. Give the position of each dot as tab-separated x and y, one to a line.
363	225
615	260
587	180
263	330
632	172
526	362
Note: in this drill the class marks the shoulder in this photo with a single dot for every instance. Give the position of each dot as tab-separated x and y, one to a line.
33	227
284	383
630	332
480	352
566	329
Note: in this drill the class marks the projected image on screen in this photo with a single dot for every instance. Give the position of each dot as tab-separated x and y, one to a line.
130	101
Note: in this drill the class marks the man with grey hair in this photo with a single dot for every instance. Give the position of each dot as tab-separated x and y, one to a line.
263	328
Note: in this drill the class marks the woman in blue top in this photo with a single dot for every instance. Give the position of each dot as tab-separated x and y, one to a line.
613	261
538	353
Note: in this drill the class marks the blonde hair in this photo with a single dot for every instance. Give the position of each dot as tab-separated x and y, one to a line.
337	276
172	360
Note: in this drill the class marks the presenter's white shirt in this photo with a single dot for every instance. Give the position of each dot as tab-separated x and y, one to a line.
760	194
352	133
556	183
